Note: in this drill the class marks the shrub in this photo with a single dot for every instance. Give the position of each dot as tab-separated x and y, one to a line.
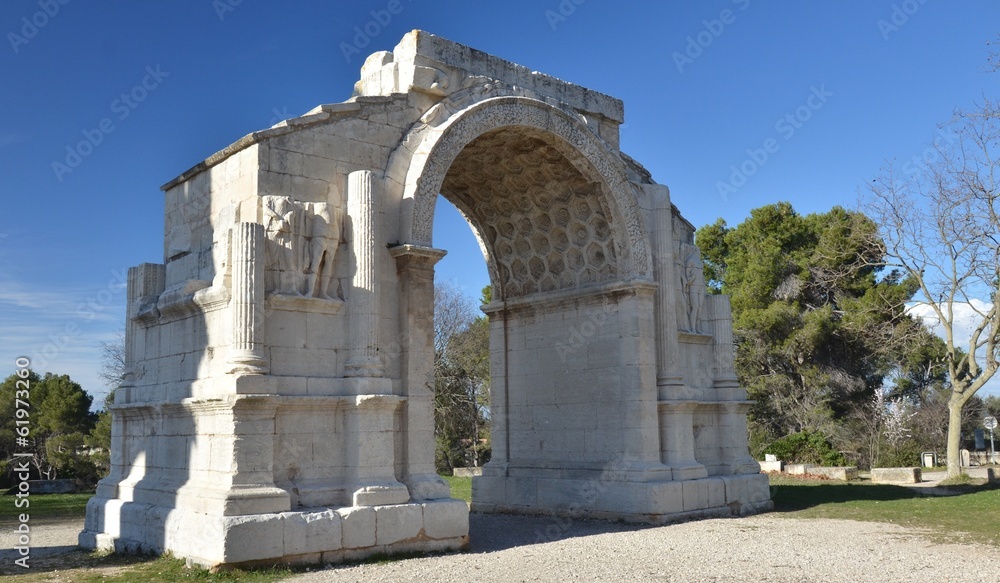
806	447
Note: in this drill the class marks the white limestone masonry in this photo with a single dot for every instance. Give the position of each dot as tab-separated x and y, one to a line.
278	400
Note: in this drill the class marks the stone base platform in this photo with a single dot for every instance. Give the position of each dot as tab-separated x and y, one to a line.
660	502
305	536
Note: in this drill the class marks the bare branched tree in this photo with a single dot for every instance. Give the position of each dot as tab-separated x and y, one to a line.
941	226
453	312
113	361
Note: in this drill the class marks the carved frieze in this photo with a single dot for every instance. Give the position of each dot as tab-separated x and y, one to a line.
302	243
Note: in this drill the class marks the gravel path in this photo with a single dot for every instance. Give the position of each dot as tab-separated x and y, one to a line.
766	548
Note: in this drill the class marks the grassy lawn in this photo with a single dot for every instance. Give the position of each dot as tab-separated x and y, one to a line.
46	506
972	516
461	488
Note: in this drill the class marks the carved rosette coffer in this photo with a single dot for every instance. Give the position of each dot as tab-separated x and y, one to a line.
363	198
247	354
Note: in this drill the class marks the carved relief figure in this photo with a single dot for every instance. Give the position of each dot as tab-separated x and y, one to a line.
324	240
692	288
280	217
302	245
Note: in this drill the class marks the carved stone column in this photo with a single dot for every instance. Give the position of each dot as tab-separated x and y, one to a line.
370	425
363	199
724	373
145	284
733	406
415	268
247	303
735	456
676	408
248	453
370	422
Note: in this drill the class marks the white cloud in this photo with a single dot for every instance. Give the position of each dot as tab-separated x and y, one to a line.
61	331
9	139
966	317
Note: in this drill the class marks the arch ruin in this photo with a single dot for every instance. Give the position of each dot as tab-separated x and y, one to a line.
278	401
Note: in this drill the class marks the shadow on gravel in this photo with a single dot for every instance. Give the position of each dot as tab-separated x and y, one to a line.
63	558
794	497
497	532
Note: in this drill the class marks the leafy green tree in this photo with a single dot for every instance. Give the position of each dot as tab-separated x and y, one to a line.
59	411
818	328
461	370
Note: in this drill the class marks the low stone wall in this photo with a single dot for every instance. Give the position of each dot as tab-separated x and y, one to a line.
466	472
845	473
799	469
771	466
896	475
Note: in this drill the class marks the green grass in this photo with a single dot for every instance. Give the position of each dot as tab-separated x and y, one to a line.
46	506
461	488
959	480
971	516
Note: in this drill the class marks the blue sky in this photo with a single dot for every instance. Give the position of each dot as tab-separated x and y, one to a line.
155	87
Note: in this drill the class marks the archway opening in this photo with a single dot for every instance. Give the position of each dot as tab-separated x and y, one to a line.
566	334
461	347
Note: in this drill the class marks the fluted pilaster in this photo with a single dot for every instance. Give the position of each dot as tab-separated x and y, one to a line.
721	317
363	198
145	283
675	408
668	377
247	303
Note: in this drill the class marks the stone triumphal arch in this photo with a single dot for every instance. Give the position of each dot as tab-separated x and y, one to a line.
278	401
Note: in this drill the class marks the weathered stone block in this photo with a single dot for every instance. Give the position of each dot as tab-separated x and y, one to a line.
695	494
311	532
446	518
896	475
836	473
771	466
253	537
397	523
358	524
